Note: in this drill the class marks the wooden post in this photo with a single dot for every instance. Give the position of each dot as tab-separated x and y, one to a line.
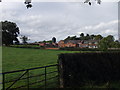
28	79
45	78
61	74
3	81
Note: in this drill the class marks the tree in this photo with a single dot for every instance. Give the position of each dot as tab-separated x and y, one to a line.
87	37
110	38
115	44
68	38
53	40
82	35
24	39
73	38
89	1
103	44
29	5
107	42
92	37
10	33
98	37
44	41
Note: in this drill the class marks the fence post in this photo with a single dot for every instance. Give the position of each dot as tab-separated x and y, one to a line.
45	77
28	79
61	79
58	75
3	81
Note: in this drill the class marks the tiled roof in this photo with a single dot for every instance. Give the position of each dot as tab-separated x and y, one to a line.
78	41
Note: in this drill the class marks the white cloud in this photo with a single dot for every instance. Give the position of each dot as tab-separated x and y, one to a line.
102	25
46	20
103	28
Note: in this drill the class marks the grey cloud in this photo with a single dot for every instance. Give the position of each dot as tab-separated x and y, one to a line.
46	20
108	28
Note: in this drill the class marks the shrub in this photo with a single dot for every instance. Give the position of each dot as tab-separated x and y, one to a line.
79	49
87	49
80	68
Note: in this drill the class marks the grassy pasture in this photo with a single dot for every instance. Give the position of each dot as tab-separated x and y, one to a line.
23	58
18	58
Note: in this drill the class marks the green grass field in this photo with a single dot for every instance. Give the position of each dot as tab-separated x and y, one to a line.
21	58
18	58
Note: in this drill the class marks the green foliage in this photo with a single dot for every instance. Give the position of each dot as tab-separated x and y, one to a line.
27	46
87	37
50	41
54	40
24	39
79	49
115	44
110	38
71	38
103	44
108	42
90	49
78	69
68	38
83	37
92	36
10	33
98	37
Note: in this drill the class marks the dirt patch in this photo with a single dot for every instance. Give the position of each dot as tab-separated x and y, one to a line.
53	48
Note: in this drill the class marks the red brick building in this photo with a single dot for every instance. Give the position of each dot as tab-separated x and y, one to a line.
48	44
78	43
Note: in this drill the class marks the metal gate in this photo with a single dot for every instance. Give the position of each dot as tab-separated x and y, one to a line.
49	75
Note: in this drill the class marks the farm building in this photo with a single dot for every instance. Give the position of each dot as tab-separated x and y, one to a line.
78	43
48	44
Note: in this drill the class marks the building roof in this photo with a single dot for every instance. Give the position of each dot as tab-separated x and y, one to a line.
79	41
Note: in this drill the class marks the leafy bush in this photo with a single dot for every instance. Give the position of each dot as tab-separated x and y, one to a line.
79	49
80	68
27	46
88	49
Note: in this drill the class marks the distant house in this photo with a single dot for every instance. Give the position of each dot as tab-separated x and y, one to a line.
42	44
68	43
78	43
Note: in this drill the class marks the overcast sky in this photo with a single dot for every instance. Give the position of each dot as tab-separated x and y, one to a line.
61	19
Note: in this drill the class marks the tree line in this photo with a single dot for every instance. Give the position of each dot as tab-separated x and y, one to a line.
10	32
85	37
103	42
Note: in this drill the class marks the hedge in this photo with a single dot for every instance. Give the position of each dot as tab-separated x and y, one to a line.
29	47
86	49
80	68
